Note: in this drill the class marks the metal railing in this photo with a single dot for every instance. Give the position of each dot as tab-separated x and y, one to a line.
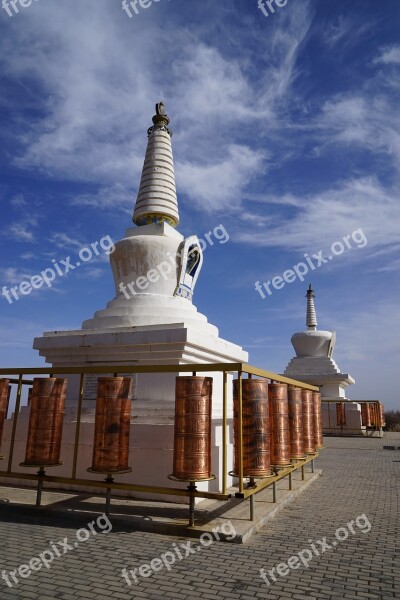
240	490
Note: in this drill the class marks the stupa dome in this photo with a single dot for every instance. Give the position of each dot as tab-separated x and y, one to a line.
313	343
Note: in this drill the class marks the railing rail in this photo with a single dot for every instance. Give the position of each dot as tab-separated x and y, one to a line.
241	369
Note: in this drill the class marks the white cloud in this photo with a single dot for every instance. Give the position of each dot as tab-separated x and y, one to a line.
388	55
220	184
112	196
369	120
13	275
18	201
97	104
324	218
21	231
93	273
345	31
28	256
62	240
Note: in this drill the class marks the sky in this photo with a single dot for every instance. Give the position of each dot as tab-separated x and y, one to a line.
286	132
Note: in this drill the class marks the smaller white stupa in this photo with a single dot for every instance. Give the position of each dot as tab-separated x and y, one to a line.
314	364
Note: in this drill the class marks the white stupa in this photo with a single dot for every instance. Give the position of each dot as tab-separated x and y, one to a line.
150	320
155	269
314	364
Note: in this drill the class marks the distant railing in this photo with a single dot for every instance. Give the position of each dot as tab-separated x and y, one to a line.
20	377
372	413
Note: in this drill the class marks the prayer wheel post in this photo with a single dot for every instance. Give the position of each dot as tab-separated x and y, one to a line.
192	434
112	429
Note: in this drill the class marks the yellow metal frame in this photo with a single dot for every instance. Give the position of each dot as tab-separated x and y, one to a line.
226	368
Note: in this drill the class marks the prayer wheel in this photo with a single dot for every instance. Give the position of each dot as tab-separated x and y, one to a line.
340	414
295	423
256	433
192	439
4	396
365	415
382	414
112	425
318	436
45	422
308	421
279	424
375	416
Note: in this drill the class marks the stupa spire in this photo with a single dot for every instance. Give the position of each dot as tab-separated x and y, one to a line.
156	200
311	318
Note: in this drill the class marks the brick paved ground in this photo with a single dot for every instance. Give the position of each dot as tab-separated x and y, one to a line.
359	477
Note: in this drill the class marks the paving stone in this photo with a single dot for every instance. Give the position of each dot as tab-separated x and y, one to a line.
359	478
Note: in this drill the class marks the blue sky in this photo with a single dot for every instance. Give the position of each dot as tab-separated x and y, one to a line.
286	132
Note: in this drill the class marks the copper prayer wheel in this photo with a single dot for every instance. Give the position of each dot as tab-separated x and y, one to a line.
112	425
279	424
308	421
255	425
365	416
295	423
318	436
45	422
340	414
192	439
382	414
4	395
375	414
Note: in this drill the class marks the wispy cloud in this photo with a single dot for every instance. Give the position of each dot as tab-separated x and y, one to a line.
220	185
21	231
18	201
389	55
63	240
346	31
14	275
325	217
90	132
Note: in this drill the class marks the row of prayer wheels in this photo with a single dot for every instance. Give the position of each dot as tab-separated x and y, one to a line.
47	402
280	424
373	414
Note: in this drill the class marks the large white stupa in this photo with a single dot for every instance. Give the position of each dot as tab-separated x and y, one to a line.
155	269
151	319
